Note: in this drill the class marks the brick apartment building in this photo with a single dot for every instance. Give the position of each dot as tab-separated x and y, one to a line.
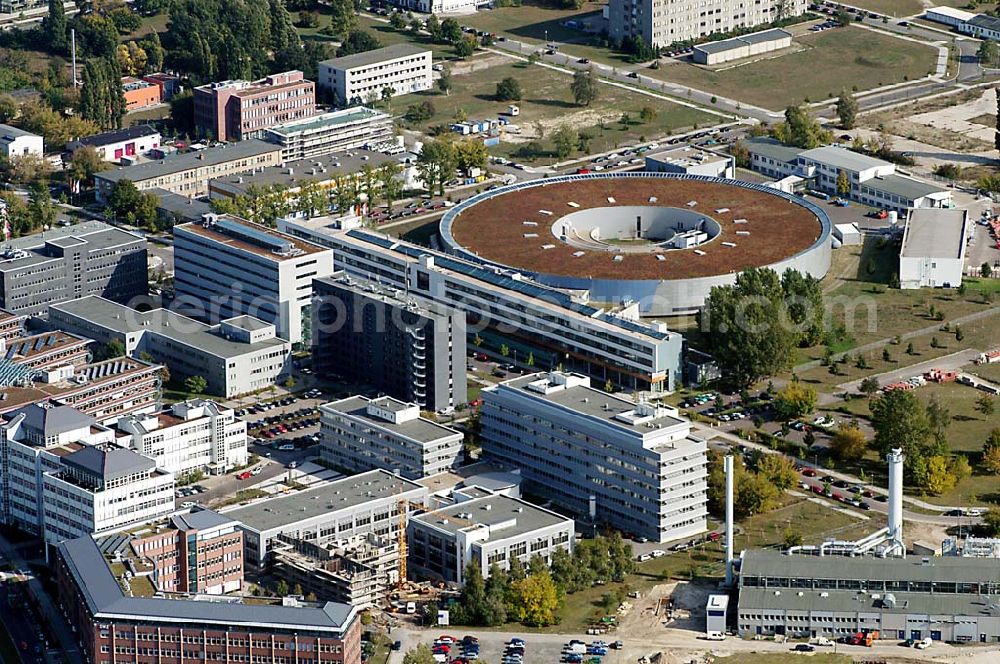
119	620
237	110
200	552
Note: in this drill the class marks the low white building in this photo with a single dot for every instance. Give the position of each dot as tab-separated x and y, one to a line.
102	489
362	434
691	161
933	251
948	16
848	234
121	143
16	142
744	46
336	131
189	436
361	77
982	26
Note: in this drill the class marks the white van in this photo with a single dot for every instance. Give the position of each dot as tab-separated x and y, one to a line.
411	607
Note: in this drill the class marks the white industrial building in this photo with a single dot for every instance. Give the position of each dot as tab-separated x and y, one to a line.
362	434
441	6
238	356
361	77
635	467
663	22
948	16
691	161
227	267
873	181
119	144
933	251
16	142
354	507
847	234
486	529
189	436
744	46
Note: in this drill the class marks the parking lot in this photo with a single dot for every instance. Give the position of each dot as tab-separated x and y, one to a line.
468	649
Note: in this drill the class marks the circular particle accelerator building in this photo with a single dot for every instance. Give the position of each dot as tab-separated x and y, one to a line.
660	240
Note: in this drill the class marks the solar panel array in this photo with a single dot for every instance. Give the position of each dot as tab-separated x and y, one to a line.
254	236
12	374
30	345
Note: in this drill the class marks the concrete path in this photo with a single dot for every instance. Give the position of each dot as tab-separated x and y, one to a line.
950	362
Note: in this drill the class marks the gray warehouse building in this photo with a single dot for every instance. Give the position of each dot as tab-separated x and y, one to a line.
635	467
67	263
356	506
484	528
364	434
410	348
945	599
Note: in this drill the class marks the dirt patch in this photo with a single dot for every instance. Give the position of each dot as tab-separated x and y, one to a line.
985	119
924	532
478	63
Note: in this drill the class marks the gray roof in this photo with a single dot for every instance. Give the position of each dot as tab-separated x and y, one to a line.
934	233
181	329
420	429
116	136
108	461
201	519
106	601
842	158
904	187
248	323
493	480
774	149
7	131
345	494
504	516
98	235
853	601
295	173
178	205
985	22
765	35
762	562
189	160
737	42
327	120
374	57
51	419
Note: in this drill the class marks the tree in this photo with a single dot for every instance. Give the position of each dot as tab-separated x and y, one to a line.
791	538
358	41
433	27
397	21
420	655
564	139
803	306
985	404
537	600
991	452
102	100
389	183
123	199
843	183
436	163
987	53
991	523
985	271
110	350
584	87
154	51
444	82
939	419
27	168
939	477
471	154
779	470
473	597
847	109
869	386
465	47
132	59
509	89
41	208
800	129
421	112
647	114
794	400
197	385
451	31
741	320
343	17
282	588
55	29
849	443
900	421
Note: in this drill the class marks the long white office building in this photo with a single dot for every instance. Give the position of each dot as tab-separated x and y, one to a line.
555	328
633	467
361	77
189	436
226	267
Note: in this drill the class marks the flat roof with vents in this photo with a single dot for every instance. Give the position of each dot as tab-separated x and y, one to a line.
286	511
502	515
247	236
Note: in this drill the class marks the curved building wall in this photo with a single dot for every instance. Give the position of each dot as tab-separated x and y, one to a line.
656	297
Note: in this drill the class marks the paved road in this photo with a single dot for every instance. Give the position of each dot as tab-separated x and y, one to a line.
950	362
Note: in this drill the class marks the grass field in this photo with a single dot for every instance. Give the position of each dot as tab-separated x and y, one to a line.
547	103
896	7
851	58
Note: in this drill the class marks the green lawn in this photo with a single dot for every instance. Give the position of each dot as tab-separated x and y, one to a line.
898	7
851	58
380	29
547	103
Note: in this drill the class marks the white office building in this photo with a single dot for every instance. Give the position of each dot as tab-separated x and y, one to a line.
189	436
16	142
634	467
64	477
102	489
663	22
238	356
361	434
226	267
360	78
487	529
933	251
337	131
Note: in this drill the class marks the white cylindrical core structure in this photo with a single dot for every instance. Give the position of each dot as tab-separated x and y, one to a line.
728	466
895	459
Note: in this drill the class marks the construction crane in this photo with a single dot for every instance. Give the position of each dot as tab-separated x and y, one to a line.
402	506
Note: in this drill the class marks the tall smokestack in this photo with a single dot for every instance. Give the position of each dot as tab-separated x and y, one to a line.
895	534
728	465
72	43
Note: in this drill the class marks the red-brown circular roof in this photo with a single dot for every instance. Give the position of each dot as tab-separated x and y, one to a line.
495	228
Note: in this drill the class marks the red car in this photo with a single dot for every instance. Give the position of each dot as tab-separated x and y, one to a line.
480	356
245	475
809	472
816	488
